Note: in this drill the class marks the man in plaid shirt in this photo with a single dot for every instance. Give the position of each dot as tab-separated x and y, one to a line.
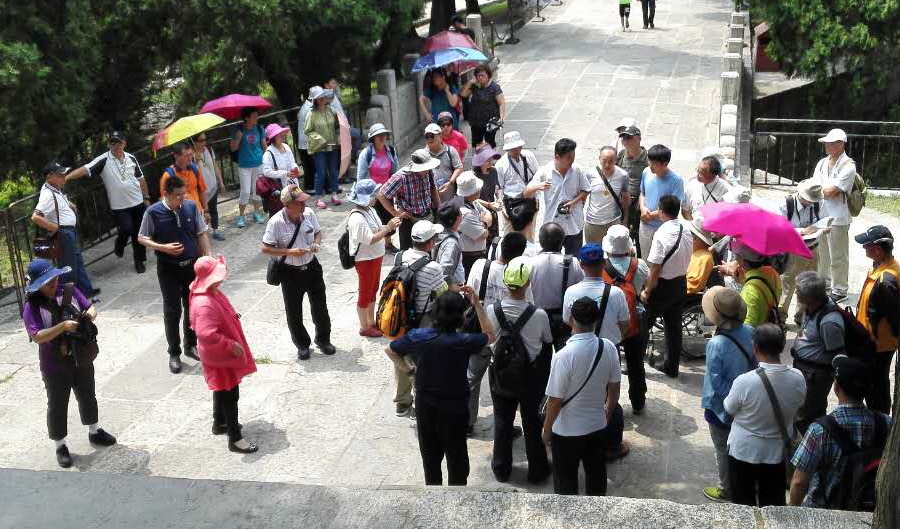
411	194
818	460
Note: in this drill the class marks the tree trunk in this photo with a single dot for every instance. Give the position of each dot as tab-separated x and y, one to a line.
441	13
887	485
472	7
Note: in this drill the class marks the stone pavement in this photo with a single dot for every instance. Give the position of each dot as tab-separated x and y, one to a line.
330	421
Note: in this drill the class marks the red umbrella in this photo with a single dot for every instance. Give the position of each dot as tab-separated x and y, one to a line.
448	39
229	107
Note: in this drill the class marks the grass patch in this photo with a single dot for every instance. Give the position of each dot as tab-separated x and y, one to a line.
494	10
263	360
889	204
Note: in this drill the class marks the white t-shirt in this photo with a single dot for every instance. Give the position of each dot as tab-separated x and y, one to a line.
601	206
280	230
495	289
564	188
121	178
755	435
284	161
664	239
429	279
362	225
841	175
616	306
697	194
208	170
569	368
46	205
511	174
531	249
536	331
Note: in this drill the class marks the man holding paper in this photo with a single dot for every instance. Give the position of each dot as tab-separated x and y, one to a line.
803	210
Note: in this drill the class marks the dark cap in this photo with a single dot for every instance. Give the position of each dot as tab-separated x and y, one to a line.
591	253
585	311
852	375
875	235
55	168
116	135
630	131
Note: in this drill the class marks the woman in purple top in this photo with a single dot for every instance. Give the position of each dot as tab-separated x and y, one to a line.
65	366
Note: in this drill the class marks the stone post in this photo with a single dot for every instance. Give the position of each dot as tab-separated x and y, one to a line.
732	62
386	82
737	18
737	31
735	45
473	22
408	61
731	88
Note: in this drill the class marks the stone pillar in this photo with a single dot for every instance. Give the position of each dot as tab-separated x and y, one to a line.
735	45
379	111
473	22
408	61
386	82
737	18
737	31
732	62
731	88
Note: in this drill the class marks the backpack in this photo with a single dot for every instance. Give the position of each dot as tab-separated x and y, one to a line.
858	343
510	360
856	198
772	316
259	130
192	166
856	490
347	259
611	275
790	204
397	304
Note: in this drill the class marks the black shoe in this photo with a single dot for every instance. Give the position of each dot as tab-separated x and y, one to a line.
517	432
539	477
175	364
140	267
249	450
119	252
645	26
63	457
326	348
652	26
219	429
102	438
303	353
190	351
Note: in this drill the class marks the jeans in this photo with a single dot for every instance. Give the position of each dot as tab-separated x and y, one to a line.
879	396
834	258
479	134
719	436
442	433
637	379
296	283
309	169
573	243
212	205
71	257
570	452
648	9
478	364
815	403
328	165
757	484
225	411
504	416
666	300
128	222
70	378
174	281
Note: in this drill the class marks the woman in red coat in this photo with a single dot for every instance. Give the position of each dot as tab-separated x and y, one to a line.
224	353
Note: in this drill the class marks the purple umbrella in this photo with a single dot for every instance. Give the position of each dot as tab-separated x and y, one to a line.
229	107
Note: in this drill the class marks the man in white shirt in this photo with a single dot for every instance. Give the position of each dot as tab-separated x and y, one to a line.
536	338
515	172
756	445
446	249
614	315
609	198
563	201
476	219
127	192
707	188
663	293
551	275
55	214
583	395
803	210
836	173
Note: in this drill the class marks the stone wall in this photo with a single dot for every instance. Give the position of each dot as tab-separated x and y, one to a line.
734	121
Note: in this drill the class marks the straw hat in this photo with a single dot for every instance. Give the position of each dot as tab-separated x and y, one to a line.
723	307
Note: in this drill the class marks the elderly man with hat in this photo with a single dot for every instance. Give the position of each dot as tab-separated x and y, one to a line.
56	214
292	238
632	158
803	210
450	136
701	265
55	317
836	173
476	220
450	166
126	190
728	354
411	193
515	172
877	310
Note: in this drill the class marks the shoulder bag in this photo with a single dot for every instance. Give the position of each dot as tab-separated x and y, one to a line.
48	246
273	270
613	193
782	426
542	409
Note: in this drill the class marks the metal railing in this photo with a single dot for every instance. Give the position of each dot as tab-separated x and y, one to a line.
785	151
95	220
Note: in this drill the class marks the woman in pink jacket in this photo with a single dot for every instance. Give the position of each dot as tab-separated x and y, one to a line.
224	352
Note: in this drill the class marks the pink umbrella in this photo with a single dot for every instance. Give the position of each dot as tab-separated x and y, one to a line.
346	143
447	39
229	107
766	232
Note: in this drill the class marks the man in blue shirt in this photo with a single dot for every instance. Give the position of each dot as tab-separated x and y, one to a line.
657	181
248	141
175	230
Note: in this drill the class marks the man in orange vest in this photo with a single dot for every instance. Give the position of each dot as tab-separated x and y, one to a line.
879	311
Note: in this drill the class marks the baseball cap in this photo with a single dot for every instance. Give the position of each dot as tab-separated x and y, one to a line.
116	135
591	253
625	123
424	231
432	128
55	168
852	375
630	131
833	136
517	272
293	193
875	235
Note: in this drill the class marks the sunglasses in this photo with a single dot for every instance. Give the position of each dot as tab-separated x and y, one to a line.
429	136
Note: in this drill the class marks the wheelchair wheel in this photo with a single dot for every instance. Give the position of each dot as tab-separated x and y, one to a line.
695	330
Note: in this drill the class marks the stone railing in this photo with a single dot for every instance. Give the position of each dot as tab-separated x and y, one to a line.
734	121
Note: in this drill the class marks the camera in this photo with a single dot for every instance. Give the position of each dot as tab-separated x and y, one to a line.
87	331
563	209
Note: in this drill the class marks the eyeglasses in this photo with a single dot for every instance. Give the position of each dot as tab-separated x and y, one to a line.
429	136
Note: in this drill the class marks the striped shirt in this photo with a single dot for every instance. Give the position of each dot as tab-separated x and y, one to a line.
430	281
410	192
280	230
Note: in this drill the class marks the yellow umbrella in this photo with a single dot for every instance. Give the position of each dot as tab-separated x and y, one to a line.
185	128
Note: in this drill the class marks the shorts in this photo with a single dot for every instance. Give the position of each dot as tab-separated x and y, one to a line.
624	10
369	273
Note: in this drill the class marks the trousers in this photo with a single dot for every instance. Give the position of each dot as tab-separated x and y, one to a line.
480	134
478	364
59	385
328	165
571	451
634	223
71	257
596	232
295	284
788	279
645	237
573	243
442	434
666	301
174	282
815	404
757	484
247	176
719	436
879	396
634	348
309	169
225	411
128	223
834	258
212	205
648	9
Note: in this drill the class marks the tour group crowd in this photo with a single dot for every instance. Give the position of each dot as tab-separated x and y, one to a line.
536	273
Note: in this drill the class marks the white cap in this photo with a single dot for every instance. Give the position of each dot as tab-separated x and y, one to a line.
432	128
737	195
467	184
617	241
833	136
424	231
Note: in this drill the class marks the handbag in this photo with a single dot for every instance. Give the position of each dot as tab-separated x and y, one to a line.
49	246
273	269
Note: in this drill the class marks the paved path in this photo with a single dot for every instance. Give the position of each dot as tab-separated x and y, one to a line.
330	420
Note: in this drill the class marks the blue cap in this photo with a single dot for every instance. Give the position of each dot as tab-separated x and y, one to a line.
591	253
362	192
40	272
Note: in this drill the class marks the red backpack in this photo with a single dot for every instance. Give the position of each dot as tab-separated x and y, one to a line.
612	276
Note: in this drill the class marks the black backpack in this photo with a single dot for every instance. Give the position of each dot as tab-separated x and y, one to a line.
856	490
347	259
510	360
858	342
